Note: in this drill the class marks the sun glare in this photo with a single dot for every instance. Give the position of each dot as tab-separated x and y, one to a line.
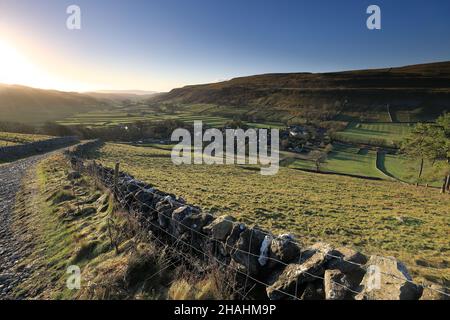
17	68
14	67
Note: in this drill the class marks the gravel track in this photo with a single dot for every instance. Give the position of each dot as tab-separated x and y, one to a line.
12	251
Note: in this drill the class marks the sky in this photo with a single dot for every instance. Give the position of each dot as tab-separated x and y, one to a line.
158	45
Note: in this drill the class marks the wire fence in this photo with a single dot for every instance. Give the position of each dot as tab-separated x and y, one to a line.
202	250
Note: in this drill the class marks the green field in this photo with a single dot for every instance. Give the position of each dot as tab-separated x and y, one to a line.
12	139
113	118
385	134
406	170
345	159
384	217
211	115
349	160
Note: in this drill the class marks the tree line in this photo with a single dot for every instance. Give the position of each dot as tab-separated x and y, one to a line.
140	130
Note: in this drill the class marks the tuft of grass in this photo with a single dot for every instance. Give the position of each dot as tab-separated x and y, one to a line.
87	251
212	286
146	270
181	290
62	196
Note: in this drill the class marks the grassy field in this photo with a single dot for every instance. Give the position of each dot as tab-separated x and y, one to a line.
11	139
212	115
387	134
381	217
350	160
405	169
116	117
345	159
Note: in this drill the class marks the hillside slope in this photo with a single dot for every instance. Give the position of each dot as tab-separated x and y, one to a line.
423	90
122	95
25	104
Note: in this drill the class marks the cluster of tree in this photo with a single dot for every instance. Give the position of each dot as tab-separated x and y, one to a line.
431	141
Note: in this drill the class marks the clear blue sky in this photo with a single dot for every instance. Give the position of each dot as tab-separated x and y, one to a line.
161	44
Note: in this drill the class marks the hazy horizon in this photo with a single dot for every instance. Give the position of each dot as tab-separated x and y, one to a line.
149	92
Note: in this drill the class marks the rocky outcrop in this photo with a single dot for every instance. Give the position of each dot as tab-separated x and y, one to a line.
254	255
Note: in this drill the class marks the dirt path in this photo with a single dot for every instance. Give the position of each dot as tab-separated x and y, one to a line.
11	250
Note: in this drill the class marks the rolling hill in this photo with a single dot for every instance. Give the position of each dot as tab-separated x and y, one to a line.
25	104
411	92
122	95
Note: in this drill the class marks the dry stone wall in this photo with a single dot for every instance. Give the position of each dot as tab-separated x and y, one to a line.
9	153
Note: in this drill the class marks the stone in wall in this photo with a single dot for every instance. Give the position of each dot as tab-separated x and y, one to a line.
233	238
387	279
294	279
336	284
248	250
220	228
283	250
435	292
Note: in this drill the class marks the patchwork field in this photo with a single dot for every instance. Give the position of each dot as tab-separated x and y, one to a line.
117	117
384	217
11	139
386	134
211	115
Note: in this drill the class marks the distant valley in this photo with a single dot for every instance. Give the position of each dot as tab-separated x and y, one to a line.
405	94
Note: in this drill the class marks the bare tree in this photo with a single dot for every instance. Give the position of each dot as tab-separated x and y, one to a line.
319	157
